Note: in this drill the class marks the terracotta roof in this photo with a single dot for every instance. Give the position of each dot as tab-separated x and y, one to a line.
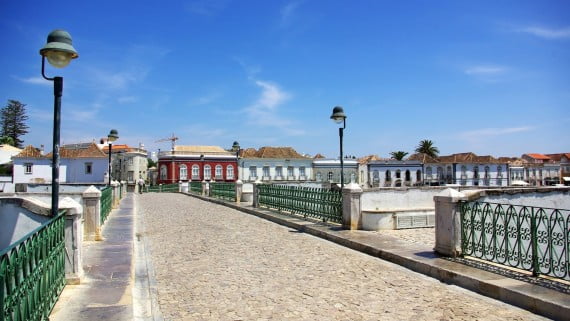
318	156
30	152
271	152
424	158
366	159
80	151
201	149
538	156
468	158
558	157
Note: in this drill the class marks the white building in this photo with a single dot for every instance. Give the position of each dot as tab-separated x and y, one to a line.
274	164
328	170
6	153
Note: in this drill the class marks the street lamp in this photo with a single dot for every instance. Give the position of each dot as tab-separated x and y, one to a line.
235	148
59	52
339	117
113	136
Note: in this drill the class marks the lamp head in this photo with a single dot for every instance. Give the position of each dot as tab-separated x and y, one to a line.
58	49
235	146
113	135
338	115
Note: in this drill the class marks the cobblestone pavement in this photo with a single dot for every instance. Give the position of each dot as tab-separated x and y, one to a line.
414	235
216	263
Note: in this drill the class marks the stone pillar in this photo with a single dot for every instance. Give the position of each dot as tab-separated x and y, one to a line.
73	240
184	187
256	194
448	222
351	208
205	188
92	213
115	186
239	189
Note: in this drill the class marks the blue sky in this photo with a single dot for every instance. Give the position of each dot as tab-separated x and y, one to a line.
491	77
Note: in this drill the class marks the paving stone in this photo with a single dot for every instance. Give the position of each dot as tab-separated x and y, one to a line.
216	263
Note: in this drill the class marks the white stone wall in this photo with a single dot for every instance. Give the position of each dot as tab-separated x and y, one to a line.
41	170
386	199
76	170
259	163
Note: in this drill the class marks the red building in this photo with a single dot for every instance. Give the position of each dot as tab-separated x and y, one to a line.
197	163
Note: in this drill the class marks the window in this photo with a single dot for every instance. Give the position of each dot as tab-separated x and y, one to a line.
207	172
302	171
219	170
486	176
440	173
88	168
499	175
449	175
352	177
398	174
253	171
195	172
375	177
130	160
388	176
183	172
163	172
418	175
266	171
408	176
279	171
28	168
463	175
230	172
330	176
131	176
476	175
290	171
428	172
319	177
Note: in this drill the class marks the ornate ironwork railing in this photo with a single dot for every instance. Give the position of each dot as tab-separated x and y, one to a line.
226	191
317	203
32	272
530	238
196	187
163	188
106	203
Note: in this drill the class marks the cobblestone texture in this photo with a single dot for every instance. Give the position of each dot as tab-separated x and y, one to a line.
414	235
215	263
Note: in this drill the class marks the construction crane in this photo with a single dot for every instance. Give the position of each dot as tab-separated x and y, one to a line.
172	138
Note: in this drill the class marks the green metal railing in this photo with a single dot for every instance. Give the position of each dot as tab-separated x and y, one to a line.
32	272
317	203
196	187
530	238
106	203
226	191
163	188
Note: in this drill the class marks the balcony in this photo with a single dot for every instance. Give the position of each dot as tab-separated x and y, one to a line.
252	178
266	178
302	178
278	178
291	178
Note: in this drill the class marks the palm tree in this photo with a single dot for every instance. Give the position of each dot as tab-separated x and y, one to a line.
399	155
426	147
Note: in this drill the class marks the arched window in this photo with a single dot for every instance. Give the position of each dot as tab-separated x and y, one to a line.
487	177
219	170
440	173
388	176
398	174
418	176
207	172
463	174
163	172
449	175
319	177
330	176
230	172
408	176
195	172
499	175
183	171
476	175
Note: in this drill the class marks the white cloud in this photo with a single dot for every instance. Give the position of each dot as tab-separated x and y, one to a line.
288	11
484	70
562	33
35	80
127	99
491	132
271	96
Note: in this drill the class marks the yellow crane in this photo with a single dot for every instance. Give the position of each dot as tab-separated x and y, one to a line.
172	138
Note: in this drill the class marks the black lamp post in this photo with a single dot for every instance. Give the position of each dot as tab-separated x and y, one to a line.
113	136
235	148
339	117
59	52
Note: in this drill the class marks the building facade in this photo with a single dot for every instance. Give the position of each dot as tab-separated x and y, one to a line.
328	170
197	163
274	164
395	173
128	164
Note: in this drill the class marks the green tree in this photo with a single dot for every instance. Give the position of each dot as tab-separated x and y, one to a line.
6	140
426	146
399	155
13	119
150	163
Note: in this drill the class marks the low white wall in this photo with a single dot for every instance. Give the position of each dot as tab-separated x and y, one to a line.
387	199
548	197
16	221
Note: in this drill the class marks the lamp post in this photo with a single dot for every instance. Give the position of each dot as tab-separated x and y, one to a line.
59	52
113	136
339	117
235	148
